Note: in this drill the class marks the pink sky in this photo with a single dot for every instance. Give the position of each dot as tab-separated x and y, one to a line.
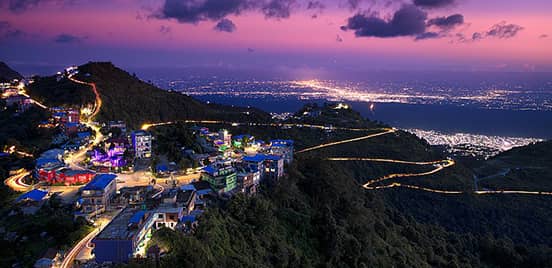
116	26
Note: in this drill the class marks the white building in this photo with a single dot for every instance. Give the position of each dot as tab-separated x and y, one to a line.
141	140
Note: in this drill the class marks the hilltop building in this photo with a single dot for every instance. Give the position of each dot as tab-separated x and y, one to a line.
97	194
222	178
125	237
141	141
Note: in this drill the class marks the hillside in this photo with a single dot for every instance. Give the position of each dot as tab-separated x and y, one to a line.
151	104
319	216
7	73
127	98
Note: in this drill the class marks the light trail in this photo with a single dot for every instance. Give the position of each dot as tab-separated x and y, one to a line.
160	191
15	182
72	254
77	157
147	126
439	166
98	100
388	131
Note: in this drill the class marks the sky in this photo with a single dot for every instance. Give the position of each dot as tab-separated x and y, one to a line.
304	37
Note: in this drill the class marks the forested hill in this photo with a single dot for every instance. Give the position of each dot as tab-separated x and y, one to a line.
127	98
7	73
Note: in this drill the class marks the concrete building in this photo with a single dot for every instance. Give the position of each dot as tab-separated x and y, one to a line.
221	178
124	237
283	148
248	181
141	141
269	166
97	194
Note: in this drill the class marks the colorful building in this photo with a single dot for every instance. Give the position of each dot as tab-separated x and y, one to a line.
283	148
221	178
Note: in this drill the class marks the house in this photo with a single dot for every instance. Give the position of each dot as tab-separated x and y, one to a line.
222	178
269	166
237	141
135	195
283	148
71	128
274	167
97	194
170	213
141	141
117	124
71	176
30	202
48	163
248	181
73	116
125	237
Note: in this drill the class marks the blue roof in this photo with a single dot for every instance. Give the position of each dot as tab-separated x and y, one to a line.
240	137
35	195
60	114
188	187
257	158
204	192
210	169
162	168
261	157
188	218
272	157
281	143
71	124
137	217
100	182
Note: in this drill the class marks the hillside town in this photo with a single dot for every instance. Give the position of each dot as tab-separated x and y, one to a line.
108	174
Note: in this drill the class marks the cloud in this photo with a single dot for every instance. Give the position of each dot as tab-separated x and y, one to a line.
503	30
446	22
500	30
68	39
279	9
165	29
339	39
409	20
250	50
317	6
427	35
225	25
433	3
543	36
191	11
18	6
7	31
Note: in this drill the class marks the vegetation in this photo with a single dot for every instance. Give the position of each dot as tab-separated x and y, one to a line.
20	129
25	238
320	216
7	74
151	104
60	92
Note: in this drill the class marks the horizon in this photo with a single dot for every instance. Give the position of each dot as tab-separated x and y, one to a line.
288	36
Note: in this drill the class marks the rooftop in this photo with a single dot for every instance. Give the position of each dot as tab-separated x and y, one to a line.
34	195
261	157
118	228
100	182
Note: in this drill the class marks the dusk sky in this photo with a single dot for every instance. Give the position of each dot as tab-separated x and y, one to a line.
302	36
